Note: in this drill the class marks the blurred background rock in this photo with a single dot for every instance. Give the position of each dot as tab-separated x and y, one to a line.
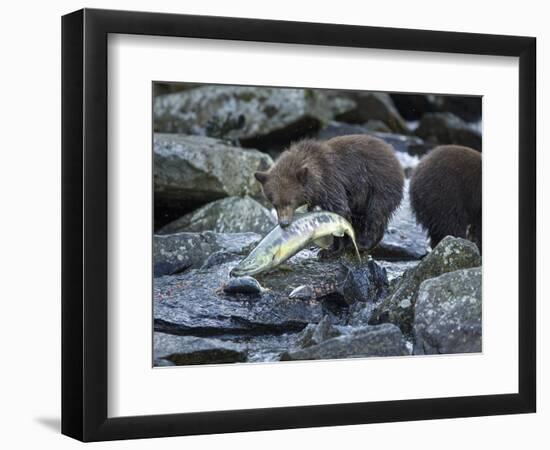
210	139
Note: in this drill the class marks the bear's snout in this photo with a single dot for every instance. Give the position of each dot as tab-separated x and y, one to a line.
284	222
285	215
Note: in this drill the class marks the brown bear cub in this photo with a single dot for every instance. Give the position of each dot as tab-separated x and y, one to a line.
356	176
445	193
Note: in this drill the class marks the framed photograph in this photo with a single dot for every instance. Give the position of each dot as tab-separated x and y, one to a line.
273	225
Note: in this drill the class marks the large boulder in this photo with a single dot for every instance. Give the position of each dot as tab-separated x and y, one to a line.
450	254
174	253
248	114
194	170
446	128
229	215
194	302
404	238
381	340
188	350
372	106
447	316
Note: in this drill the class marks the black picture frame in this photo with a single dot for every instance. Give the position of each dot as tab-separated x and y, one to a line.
84	224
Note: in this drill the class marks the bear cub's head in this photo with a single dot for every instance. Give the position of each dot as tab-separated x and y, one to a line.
284	187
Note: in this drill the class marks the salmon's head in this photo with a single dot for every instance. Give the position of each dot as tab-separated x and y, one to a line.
258	261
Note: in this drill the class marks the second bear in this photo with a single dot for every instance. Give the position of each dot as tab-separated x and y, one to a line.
446	193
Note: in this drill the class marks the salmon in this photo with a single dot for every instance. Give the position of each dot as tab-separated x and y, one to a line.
280	244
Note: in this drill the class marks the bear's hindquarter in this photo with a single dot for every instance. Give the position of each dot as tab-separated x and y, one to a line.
372	179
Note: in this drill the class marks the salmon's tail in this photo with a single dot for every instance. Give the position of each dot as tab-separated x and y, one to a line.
351	234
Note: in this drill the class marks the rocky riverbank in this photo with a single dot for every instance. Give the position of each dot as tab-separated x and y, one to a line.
209	213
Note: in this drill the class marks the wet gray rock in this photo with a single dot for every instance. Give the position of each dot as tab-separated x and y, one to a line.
242	285
450	254
411	145
194	170
228	215
189	350
162	363
175	253
265	348
381	340
448	314
372	106
396	269
344	281
402	143
404	238
446	128
194	303
314	334
377	126
248	114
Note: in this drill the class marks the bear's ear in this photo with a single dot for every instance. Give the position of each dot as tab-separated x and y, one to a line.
302	174
261	177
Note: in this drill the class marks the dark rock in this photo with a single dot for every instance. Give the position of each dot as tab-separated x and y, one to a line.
160	88
335	129
448	314
229	215
251	115
192	303
451	254
372	106
194	170
188	350
221	257
414	106
266	348
314	334
377	126
367	282
242	285
162	363
404	238
396	269
403	144
175	253
467	108
349	282
382	340
446	128
413	145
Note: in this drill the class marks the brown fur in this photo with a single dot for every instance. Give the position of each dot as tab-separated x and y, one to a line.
356	176
446	193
